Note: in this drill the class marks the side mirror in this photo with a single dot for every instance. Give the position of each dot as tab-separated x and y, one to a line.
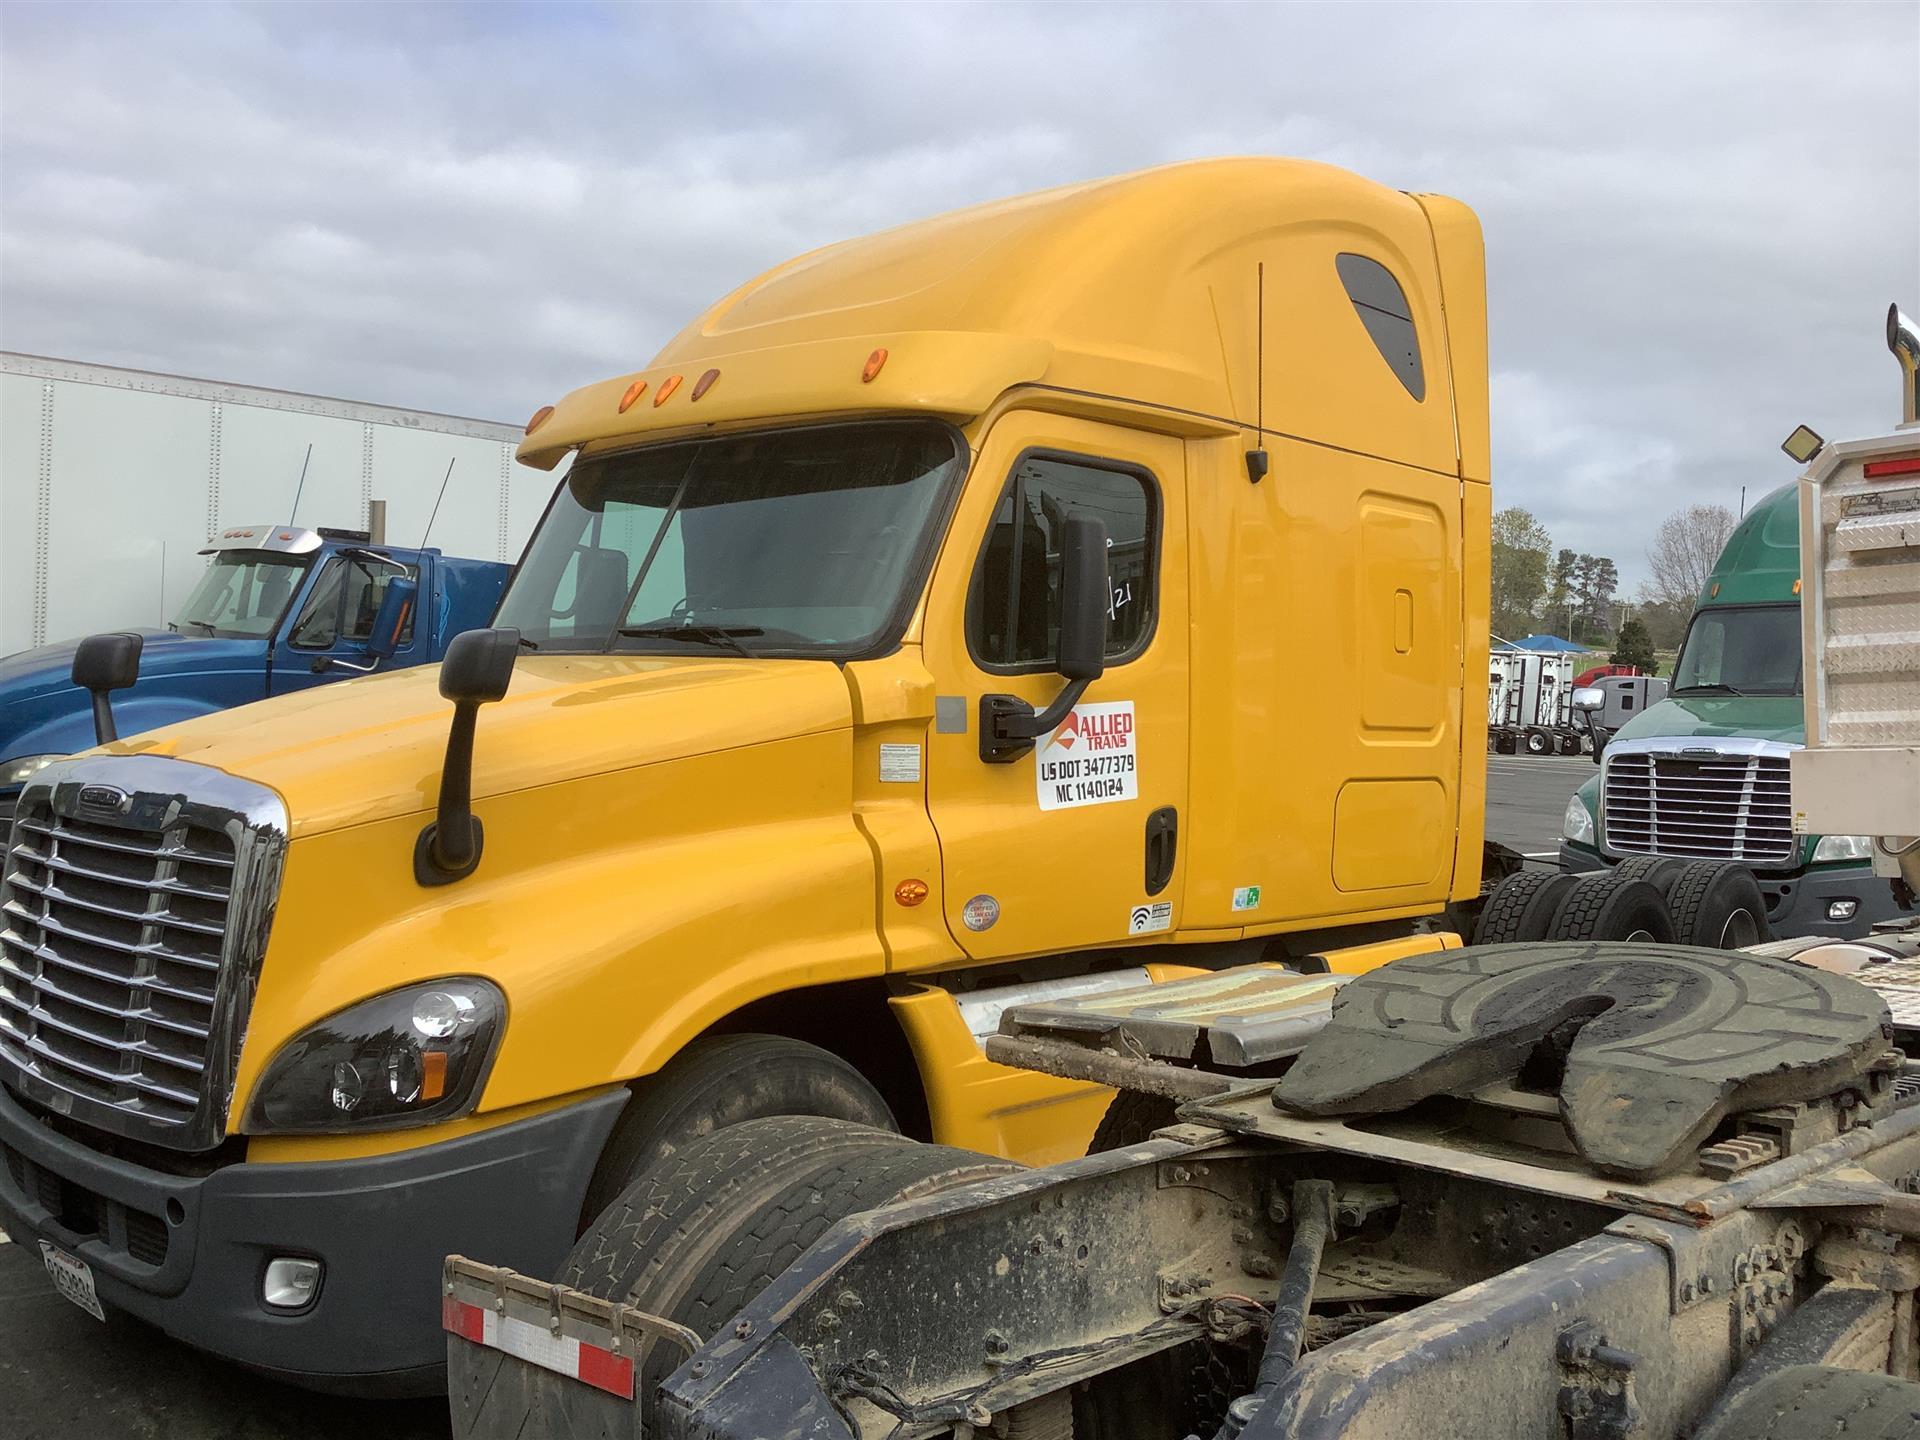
390	620
1008	724
1589	697
1086	598
477	670
101	664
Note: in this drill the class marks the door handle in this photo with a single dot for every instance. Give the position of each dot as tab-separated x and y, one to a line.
1163	839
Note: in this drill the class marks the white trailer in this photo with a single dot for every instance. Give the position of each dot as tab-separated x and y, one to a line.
1529	703
111	481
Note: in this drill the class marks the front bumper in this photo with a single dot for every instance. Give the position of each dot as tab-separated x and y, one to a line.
1797	902
187	1253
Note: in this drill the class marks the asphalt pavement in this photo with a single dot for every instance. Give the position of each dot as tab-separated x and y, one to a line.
64	1374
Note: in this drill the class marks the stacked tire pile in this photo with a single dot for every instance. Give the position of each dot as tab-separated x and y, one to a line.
1649	898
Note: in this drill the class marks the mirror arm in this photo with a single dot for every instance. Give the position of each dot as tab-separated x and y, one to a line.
104	730
1009	726
449	848
330	662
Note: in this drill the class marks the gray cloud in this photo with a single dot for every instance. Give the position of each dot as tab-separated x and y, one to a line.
1694	214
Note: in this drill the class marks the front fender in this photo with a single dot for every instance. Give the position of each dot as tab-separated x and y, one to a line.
621	914
69	728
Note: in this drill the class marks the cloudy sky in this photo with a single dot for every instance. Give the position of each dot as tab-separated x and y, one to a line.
1695	215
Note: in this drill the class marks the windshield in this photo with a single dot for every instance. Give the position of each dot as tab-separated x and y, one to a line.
792	542
244	593
1741	650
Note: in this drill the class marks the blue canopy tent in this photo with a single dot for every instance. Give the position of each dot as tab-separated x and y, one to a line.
1552	644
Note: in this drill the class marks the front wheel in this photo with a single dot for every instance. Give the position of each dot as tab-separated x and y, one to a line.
725	1080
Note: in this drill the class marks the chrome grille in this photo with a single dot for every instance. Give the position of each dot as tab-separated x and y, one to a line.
110	956
1728	801
132	921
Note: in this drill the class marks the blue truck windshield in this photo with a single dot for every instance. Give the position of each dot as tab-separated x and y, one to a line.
1741	650
243	594
793	542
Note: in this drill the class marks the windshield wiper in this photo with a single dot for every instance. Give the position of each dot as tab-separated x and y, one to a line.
201	623
530	644
720	637
1716	688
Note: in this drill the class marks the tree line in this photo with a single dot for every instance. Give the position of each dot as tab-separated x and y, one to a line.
1537	587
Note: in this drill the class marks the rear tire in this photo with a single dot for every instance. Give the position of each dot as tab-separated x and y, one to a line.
1521	907
1717	904
701	1234
1132	1116
1539	742
724	1080
1612	907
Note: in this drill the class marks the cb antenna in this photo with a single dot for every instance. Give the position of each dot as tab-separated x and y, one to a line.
301	486
436	502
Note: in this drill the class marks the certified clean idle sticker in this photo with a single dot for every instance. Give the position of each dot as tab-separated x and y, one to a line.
1148	919
900	763
980	912
1090	759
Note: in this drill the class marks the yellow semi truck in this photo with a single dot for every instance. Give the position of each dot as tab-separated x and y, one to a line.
1077	589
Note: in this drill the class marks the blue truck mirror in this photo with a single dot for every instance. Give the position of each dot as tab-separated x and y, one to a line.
390	621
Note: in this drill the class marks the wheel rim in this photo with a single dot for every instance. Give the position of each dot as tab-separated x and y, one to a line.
1740	930
1641	936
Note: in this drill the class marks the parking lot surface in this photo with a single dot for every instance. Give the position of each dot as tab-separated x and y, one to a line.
64	1374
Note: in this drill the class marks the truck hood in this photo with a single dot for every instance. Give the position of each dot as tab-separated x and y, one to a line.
1755	717
37	685
365	750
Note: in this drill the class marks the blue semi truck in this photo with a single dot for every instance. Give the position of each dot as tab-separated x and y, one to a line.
279	608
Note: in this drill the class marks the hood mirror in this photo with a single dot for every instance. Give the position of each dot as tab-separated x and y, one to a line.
477	670
1589	697
101	664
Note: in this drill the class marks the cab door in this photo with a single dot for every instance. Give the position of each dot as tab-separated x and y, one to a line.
333	621
1076	842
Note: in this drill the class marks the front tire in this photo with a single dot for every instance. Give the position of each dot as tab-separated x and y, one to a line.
724	1080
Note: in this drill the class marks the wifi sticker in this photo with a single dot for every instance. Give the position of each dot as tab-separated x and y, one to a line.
1149	919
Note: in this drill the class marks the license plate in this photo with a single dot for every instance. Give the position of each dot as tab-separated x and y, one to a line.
73	1278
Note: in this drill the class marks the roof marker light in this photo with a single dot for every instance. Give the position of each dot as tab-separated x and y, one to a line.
667	387
634	392
872	368
1796	587
704	384
540	417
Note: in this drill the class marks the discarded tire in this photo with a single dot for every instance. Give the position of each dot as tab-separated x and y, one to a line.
1659	871
1717	904
1820	1402
1521	907
1612	907
1132	1116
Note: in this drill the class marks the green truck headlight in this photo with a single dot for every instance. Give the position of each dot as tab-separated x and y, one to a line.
1577	824
409	1057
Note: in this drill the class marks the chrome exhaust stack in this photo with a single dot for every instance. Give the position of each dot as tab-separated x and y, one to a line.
1903	339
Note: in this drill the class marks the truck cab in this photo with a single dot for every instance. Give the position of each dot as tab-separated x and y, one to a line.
278	609
1703	774
921	631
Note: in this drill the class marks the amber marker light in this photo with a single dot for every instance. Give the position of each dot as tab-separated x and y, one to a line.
1796	587
704	384
872	368
667	387
540	417
910	892
634	392
433	1074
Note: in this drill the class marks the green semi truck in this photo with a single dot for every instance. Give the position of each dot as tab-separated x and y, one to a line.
1702	775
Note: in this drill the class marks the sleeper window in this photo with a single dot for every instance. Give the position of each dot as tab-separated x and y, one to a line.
1014	618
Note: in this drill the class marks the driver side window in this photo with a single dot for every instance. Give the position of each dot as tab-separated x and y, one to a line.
1013	619
344	602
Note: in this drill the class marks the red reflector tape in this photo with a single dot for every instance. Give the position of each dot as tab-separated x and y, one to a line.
1882	469
589	1364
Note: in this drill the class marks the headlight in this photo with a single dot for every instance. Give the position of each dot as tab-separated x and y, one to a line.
1577	823
18	772
409	1057
1843	847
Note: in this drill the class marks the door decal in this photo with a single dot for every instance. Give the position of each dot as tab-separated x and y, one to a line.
1090	759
